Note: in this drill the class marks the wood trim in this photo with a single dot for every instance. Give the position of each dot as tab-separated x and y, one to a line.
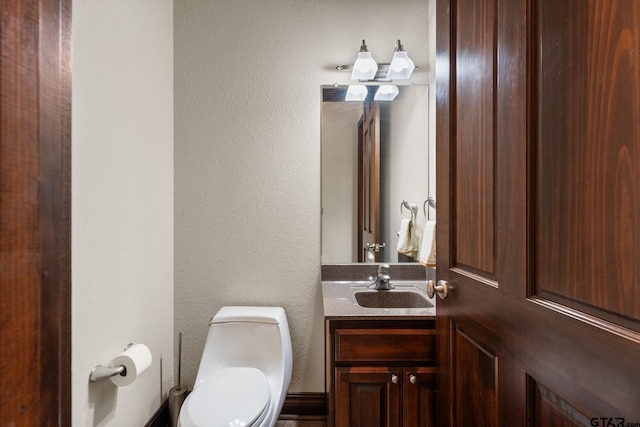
35	206
54	200
161	417
445	121
304	407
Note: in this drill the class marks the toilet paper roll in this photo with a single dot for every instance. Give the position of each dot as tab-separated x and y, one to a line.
136	359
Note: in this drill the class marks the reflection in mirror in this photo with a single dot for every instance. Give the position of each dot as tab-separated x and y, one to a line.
375	156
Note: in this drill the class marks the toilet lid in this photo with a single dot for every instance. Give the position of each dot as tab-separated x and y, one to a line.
231	397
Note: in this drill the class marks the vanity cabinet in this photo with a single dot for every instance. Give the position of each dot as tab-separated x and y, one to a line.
381	373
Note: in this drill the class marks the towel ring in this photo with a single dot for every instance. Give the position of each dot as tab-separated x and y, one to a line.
404	204
432	203
411	207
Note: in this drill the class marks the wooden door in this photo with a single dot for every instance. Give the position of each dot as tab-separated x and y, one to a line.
35	183
368	396
418	397
369	179
538	187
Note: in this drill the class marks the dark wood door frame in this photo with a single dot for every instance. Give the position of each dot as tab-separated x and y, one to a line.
368	179
35	214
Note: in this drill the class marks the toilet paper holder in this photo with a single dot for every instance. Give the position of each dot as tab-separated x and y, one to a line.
102	372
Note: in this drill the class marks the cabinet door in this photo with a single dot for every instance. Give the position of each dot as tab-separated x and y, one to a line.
419	397
368	397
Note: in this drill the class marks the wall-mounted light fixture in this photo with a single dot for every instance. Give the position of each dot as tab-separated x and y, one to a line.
366	69
401	65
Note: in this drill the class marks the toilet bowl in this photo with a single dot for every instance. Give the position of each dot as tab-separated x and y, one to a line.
244	372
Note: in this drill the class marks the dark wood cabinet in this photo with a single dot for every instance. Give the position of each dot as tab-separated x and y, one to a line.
368	396
381	373
419	397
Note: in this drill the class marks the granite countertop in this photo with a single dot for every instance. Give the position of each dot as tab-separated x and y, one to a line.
340	283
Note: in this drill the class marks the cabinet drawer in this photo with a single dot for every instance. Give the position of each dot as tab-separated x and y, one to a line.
385	345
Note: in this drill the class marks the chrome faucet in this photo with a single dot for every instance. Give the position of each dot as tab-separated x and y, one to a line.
381	282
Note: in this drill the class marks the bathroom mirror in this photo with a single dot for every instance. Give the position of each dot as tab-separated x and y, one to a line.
354	206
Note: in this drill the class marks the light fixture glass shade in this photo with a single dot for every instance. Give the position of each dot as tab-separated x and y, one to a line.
386	93
401	65
356	93
365	67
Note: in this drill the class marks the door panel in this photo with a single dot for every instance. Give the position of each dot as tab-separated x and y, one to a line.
587	227
475	386
548	409
539	211
474	141
366	397
419	397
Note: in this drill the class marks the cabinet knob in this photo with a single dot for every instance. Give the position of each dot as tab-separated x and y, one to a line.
394	379
413	379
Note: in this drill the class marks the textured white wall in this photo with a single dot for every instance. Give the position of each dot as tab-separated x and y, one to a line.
247	153
122	223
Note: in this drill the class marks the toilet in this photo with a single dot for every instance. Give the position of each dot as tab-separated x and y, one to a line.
244	372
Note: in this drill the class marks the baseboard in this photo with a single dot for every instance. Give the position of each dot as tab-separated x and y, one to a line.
161	416
304	406
297	406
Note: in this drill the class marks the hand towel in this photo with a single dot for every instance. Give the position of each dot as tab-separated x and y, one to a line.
428	245
407	241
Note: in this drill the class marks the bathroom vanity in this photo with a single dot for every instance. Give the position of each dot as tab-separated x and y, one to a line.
379	359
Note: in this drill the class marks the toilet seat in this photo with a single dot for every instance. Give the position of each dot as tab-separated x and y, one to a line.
231	397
